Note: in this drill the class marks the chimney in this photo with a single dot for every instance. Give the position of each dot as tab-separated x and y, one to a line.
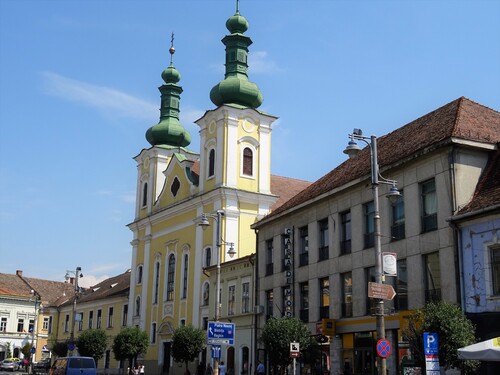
19	273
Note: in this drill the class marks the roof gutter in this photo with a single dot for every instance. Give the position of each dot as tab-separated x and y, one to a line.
468	215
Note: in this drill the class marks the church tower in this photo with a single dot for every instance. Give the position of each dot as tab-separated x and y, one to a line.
227	182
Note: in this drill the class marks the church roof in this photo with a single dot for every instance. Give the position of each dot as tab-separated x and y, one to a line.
461	119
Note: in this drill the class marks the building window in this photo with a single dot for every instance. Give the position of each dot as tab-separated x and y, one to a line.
79	318
269	304
185	277
20	325
3	324
31	325
304	247
247	162
99	318
398	219
91	318
138	275
45	324
124	315
432	278
144	194
171	277
324	302
211	162
138	306
324	240
371	303
429	205
369	212
401	299
345	233
206	294
50	324
245	297
156	285
110	317
174	188
153	333
208	257
205	323
66	323
346	279
231	296
269	257
304	302
495	270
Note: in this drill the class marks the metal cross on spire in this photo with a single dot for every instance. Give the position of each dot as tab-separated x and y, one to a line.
172	49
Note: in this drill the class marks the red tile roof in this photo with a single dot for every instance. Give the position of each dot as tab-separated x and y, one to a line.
487	194
460	119
285	188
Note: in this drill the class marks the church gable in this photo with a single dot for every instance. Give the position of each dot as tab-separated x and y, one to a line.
180	182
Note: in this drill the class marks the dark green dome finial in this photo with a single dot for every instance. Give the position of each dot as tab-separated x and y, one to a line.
235	88
169	130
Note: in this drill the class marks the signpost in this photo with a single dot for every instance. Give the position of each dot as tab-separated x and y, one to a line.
294	353
381	291
431	353
220	333
216	349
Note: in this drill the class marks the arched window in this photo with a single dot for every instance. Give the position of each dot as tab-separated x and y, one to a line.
144	194
138	275
138	306
208	257
206	294
211	163
247	162
185	277
171	277
157	282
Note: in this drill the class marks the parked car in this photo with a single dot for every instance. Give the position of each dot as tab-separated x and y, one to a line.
9	365
41	366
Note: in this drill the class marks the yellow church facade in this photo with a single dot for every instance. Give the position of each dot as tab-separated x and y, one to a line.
228	183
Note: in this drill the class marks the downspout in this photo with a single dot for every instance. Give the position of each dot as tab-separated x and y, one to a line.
456	232
256	300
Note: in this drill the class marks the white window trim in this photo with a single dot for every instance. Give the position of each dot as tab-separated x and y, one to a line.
243	146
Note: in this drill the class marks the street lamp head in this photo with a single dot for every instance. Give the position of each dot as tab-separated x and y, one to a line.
393	195
204	223
232	251
352	149
66	277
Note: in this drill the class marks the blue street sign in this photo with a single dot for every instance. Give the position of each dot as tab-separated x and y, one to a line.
216	349
220	333
430	344
33	349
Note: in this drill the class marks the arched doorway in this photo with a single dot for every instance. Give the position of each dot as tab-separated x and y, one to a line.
230	361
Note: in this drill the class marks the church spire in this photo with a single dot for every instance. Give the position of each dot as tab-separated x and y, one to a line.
235	88
169	130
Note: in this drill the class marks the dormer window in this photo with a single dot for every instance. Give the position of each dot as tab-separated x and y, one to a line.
247	162
175	186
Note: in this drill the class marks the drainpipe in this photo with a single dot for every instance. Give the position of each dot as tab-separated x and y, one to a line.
256	300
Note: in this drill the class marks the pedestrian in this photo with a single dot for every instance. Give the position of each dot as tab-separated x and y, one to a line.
260	368
200	370
209	370
141	369
222	368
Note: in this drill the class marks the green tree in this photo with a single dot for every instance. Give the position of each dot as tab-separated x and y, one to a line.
92	343
26	350
277	335
130	343
187	343
59	348
454	331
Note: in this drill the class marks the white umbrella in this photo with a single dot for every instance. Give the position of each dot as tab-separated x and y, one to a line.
488	350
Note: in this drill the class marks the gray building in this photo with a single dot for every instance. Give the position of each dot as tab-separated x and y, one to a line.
437	161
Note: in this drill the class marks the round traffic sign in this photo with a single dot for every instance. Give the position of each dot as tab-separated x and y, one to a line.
383	348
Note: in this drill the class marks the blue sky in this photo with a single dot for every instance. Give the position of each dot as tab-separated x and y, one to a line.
78	90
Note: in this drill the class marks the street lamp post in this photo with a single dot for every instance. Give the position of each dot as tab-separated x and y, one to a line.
38	299
352	150
77	273
204	223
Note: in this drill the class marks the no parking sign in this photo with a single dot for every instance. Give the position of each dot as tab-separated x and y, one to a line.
384	348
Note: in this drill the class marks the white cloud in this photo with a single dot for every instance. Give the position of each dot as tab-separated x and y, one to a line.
259	63
103	98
